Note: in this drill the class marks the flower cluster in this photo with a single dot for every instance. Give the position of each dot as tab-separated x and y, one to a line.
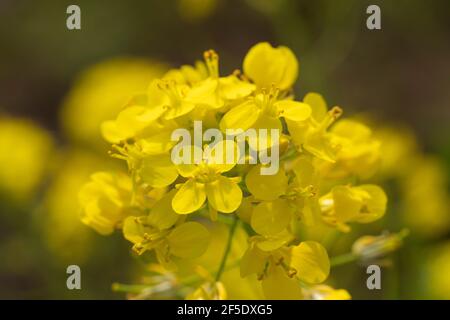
168	208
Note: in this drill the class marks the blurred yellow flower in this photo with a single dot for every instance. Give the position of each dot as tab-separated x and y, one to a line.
65	234
25	159
437	276
425	207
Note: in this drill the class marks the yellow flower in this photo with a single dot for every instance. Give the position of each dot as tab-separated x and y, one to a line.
284	217
266	187
280	267
134	122
174	98
345	204
426	205
436	275
312	135
273	214
205	181
105	201
275	201
310	261
25	157
187	74
62	221
398	150
164	99
217	92
159	231
264	112
357	152
266	65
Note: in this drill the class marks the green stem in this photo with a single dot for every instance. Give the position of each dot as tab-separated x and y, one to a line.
343	259
227	248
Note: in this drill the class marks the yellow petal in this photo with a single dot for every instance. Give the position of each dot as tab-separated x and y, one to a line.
232	88
188	240
133	231
205	93
310	259
132	118
319	144
318	105
266	65
271	217
273	242
266	187
224	195
128	122
375	206
278	286
157	143
347	203
293	110
155	96
223	156
178	109
189	198
245	210
352	130
162	215
242	117
187	155
290	68
158	171
253	261
111	132
266	141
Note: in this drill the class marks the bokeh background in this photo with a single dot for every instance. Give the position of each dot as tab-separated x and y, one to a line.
57	85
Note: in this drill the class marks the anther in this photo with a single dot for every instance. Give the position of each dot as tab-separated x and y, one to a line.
291	272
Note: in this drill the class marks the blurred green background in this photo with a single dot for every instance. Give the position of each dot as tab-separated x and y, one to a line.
397	76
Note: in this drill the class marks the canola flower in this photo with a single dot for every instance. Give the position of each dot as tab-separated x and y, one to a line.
170	210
